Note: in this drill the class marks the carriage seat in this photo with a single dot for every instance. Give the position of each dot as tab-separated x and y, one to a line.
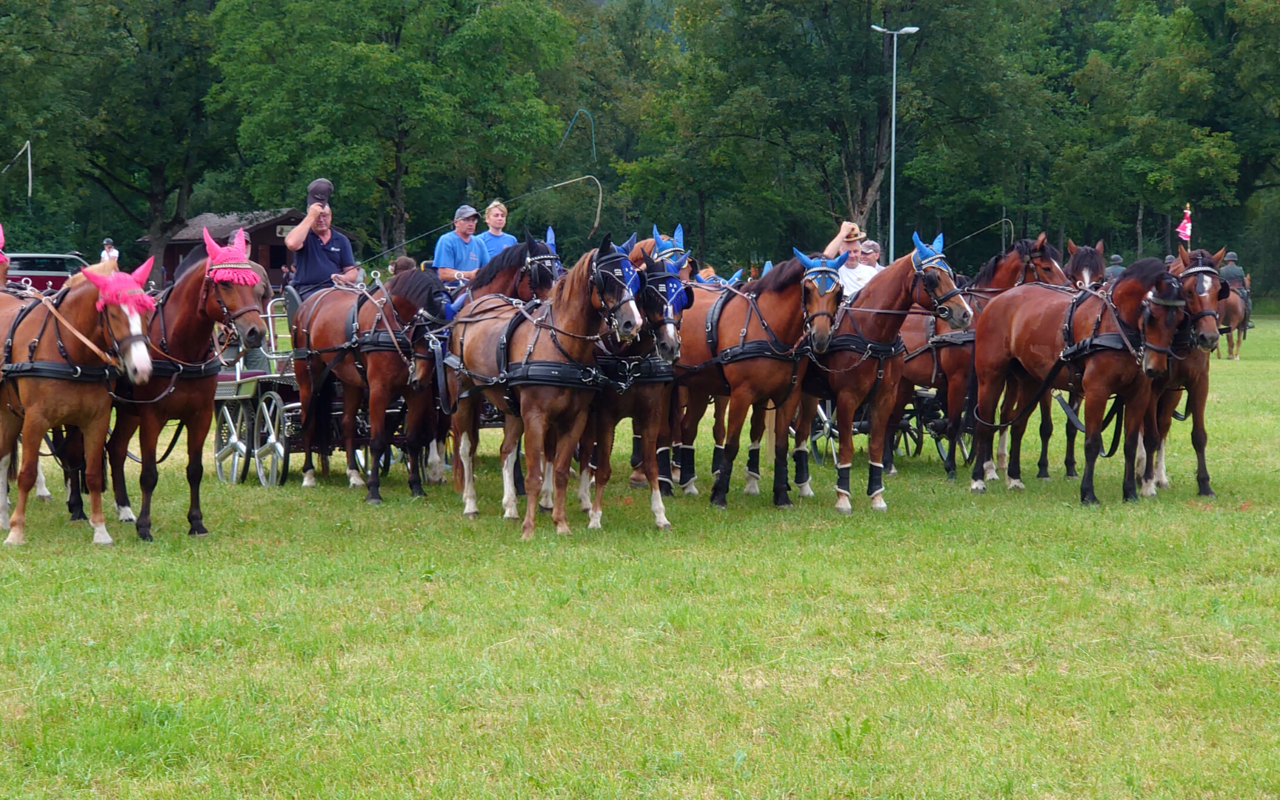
291	302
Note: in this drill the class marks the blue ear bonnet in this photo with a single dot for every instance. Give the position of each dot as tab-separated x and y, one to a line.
929	254
823	272
451	309
670	287
668	248
626	247
551	240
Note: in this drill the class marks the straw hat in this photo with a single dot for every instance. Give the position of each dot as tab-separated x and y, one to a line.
855	234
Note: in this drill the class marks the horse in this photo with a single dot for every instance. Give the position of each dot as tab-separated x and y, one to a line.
370	341
536	363
222	289
1233	313
76	342
641	381
1100	341
756	337
865	359
1202	288
942	360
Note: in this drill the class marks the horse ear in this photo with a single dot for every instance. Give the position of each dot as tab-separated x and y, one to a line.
630	243
528	240
143	272
840	260
1183	255
679	236
768	265
736	276
1071	248
1040	240
238	239
679	264
657	237
937	243
551	239
805	260
1100	247
210	246
97	280
606	244
921	250
1217	257
649	263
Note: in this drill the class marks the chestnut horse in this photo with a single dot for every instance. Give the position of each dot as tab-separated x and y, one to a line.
1202	288
640	387
370	342
755	338
1234	314
536	364
942	360
1103	342
221	289
864	361
73	344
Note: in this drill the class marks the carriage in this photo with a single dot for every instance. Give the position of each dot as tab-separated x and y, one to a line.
924	416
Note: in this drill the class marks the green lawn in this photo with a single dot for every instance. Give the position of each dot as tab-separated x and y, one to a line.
957	646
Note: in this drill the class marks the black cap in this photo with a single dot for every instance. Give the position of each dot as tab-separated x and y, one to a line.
319	191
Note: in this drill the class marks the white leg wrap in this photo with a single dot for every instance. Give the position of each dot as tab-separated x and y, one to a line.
509	510
584	490
309	479
100	535
1162	477
354	480
989	470
1002	452
469	507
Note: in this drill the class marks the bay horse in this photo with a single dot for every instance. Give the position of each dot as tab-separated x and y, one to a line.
941	360
865	359
1202	288
641	379
1234	320
376	343
1103	341
221	289
76	342
536	364
756	337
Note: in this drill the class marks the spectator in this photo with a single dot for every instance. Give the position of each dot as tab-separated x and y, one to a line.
109	251
459	253
401	264
323	254
495	216
1116	267
869	254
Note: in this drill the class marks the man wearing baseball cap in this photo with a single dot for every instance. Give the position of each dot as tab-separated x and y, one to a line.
459	253
323	254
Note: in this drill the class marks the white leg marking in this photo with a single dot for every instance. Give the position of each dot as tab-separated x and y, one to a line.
435	464
594	517
309	479
1140	460
1002	452
15	537
546	498
354	480
659	510
1162	477
584	490
100	535
4	488
125	514
1148	488
990	473
509	510
805	489
42	488
978	486
469	507
1014	484
753	485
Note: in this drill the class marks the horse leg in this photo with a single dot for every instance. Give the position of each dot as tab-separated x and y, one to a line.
197	432
1046	433
8	442
42	488
650	421
1198	394
906	390
117	452
561	444
739	404
846	407
808	409
718	434
464	464
752	473
435	423
878	440
1025	392
666	426
1069	460
33	429
1136	412
546	498
781	436
302	371
637	478
149	474
1095	411
95	441
1148	440
604	467
350	408
1006	414
379	399
419	432
956	388
512	430
535	429
990	381
1240	329
688	433
73	468
588	453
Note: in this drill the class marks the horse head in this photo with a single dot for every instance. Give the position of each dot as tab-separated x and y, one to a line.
822	293
125	308
1202	288
934	284
615	283
1086	265
542	265
235	300
663	301
1040	262
1149	298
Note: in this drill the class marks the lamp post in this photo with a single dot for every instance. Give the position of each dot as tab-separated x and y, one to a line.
893	128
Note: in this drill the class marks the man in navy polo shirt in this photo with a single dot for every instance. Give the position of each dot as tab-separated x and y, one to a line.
322	253
459	253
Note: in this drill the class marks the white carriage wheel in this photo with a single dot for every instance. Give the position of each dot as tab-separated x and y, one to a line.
271	441
231	440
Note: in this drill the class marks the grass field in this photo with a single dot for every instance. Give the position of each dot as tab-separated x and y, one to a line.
958	646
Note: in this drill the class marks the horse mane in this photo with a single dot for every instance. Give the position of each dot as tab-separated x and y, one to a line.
782	276
103	268
513	258
419	287
1025	248
1147	271
1085	258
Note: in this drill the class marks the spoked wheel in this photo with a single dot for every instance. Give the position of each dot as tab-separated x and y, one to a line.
388	458
271	441
231	440
964	447
824	433
908	440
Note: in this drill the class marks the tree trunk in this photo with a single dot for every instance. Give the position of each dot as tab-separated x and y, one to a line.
1168	234
1139	229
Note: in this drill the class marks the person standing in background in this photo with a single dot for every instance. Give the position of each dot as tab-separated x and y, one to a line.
109	251
495	241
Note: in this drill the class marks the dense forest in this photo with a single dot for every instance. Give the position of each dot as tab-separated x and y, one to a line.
757	125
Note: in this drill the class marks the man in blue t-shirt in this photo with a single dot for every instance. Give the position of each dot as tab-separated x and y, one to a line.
459	253
323	254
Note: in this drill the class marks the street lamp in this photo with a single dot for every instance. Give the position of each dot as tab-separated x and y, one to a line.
893	127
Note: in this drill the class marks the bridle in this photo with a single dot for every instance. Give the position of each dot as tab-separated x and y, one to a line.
547	261
1146	314
935	262
825	278
1196	269
603	270
228	316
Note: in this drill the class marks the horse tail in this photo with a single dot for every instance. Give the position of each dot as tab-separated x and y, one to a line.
322	397
971	392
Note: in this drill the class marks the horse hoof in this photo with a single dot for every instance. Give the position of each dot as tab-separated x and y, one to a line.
45	497
1207	492
594	524
309	479
690	490
1164	484
544	509
1015	485
891	471
666	490
78	516
527	536
198	533
373	501
951	477
878	503
978	487
145	536
805	490
719	500
1089	501
101	537
470	514
125	514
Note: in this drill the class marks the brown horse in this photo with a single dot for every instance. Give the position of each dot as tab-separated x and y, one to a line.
1233	312
942	360
536	364
641	383
1202	288
865	360
222	289
1101	342
73	343
374	342
756	337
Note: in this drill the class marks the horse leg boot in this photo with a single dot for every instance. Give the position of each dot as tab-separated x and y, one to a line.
719	410
808	409
637	477
689	432
739	405
149	475
350	408
781	443
846	406
752	472
379	398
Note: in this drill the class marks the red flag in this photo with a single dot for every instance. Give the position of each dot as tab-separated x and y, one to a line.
1184	229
